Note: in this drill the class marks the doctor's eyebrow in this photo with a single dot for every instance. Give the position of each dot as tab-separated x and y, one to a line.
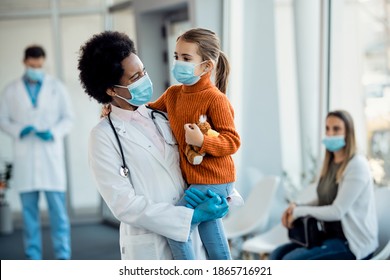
137	74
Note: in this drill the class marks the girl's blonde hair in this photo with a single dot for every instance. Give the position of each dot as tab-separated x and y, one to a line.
350	144
209	49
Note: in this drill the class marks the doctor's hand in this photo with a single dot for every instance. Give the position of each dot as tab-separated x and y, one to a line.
194	197
193	135
26	131
213	208
45	135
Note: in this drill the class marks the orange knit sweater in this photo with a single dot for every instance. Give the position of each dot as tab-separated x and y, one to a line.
184	104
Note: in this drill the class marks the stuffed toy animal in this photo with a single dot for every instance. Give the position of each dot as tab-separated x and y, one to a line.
192	152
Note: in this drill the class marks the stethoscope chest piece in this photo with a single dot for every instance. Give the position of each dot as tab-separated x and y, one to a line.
123	171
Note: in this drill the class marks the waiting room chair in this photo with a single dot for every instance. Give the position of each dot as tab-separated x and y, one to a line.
382	199
253	216
264	243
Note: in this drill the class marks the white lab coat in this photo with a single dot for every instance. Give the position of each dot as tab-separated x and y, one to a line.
144	202
38	165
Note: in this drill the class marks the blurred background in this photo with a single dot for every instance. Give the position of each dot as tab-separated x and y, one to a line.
292	61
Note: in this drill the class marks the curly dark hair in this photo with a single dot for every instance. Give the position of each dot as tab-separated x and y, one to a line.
100	63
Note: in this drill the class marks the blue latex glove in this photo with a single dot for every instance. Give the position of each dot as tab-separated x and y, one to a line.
26	131
213	208
194	197
45	135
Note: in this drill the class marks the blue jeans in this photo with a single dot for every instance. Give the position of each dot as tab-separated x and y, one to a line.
211	233
331	249
59	224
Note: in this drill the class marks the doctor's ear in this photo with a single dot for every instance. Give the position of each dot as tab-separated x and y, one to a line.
111	92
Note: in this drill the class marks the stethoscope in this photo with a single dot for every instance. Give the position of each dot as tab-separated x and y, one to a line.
124	170
158	112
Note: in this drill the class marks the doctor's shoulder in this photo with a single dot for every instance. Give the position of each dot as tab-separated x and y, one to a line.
101	132
12	90
102	126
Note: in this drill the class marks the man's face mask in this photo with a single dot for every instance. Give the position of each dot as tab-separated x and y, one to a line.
334	143
141	91
34	74
183	72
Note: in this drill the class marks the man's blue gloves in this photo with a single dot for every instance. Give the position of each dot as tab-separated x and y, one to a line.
206	207
26	131
45	135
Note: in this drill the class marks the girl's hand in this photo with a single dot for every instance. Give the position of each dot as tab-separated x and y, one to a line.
106	109
193	135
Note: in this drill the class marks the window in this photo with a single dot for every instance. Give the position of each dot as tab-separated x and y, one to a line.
360	76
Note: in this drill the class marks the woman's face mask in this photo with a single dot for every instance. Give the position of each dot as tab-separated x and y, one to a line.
334	143
183	72
141	91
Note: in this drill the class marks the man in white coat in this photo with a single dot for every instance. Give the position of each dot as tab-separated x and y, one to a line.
133	156
35	110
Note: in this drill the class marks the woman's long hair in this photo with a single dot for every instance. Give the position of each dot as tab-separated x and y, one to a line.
350	144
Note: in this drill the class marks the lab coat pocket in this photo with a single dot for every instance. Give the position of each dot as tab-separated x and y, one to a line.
139	247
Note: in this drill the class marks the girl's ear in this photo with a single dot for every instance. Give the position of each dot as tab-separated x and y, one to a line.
209	65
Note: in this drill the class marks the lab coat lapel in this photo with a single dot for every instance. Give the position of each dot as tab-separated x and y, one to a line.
25	97
43	95
138	138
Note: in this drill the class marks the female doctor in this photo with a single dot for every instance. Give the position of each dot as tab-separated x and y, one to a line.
133	155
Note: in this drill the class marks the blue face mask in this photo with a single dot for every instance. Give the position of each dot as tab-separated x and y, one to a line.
34	74
141	91
334	143
183	72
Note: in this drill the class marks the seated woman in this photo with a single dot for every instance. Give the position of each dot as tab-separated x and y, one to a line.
345	201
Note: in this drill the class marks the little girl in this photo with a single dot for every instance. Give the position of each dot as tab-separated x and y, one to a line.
197	54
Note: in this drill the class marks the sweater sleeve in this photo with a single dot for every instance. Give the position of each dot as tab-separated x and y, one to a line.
160	104
221	118
356	177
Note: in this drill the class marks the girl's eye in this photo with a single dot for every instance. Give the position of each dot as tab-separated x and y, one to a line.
175	57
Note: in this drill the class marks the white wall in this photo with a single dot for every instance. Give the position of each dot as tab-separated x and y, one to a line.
288	95
352	32
259	104
307	20
82	188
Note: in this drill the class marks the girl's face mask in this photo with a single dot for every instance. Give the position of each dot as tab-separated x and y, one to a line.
183	72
